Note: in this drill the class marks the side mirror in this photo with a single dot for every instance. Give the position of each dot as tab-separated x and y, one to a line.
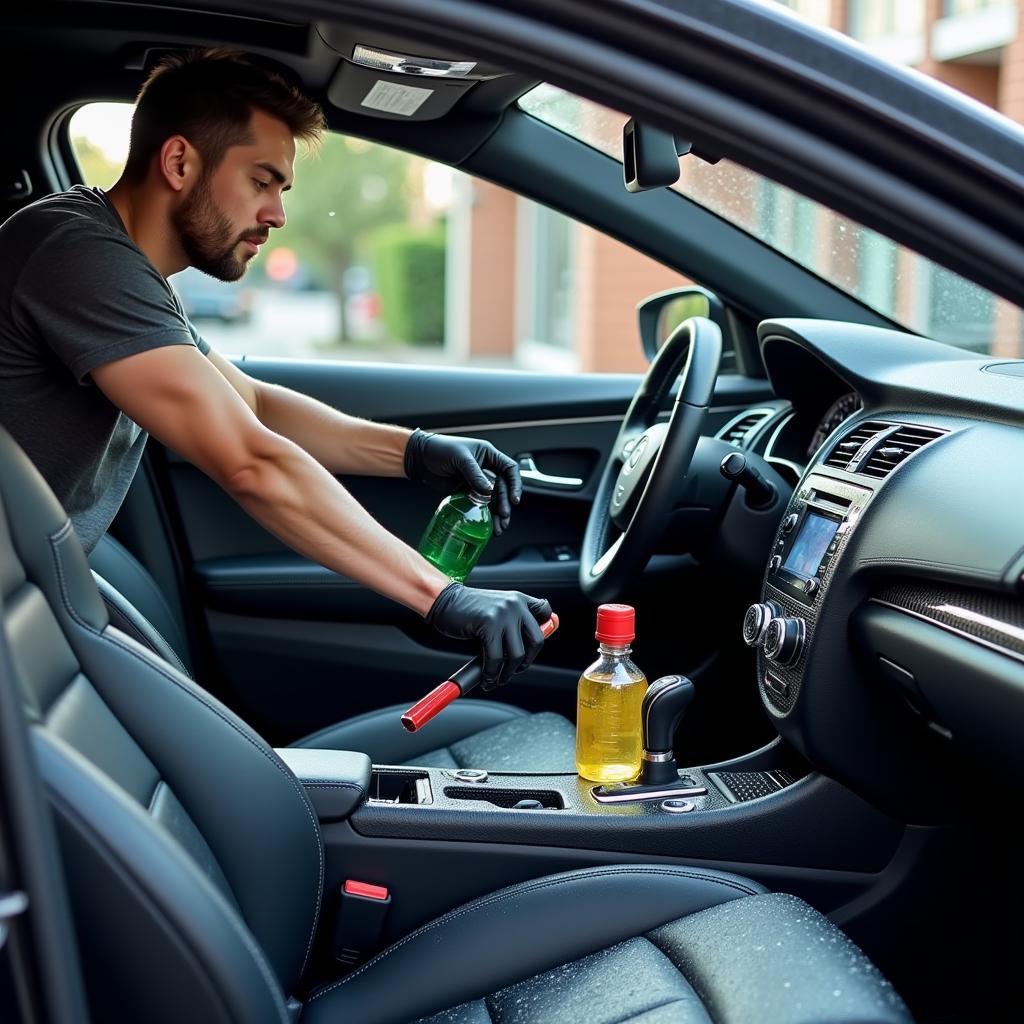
660	314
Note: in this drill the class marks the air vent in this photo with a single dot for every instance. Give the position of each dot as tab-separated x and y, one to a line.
742	429
897	448
851	443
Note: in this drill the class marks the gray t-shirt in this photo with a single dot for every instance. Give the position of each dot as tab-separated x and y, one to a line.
75	293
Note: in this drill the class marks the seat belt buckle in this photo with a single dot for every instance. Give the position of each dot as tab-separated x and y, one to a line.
361	914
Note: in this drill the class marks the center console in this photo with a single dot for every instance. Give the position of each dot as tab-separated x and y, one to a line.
809	545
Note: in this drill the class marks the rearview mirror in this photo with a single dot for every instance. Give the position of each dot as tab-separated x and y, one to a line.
650	156
662	313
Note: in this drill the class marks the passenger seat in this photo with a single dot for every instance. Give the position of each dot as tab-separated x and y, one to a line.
470	733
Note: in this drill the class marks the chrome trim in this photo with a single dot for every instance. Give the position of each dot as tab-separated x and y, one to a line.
657	757
983	620
951	629
776	460
528	471
678	806
606	559
472	776
764	611
565	421
405	64
772	653
625	797
654	691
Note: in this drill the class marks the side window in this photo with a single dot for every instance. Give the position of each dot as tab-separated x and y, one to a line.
387	256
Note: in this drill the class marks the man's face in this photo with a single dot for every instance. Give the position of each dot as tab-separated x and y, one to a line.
228	213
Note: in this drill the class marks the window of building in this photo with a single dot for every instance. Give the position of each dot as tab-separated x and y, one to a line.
898	283
817	12
951	7
893	31
876	19
546	292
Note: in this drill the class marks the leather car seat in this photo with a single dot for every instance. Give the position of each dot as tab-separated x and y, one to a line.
195	864
470	734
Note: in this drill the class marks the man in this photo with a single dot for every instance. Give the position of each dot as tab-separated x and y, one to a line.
96	353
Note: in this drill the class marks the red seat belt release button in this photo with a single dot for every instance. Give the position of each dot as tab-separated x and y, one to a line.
373	892
362	911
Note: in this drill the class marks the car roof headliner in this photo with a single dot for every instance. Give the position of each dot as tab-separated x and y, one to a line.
896	152
101	50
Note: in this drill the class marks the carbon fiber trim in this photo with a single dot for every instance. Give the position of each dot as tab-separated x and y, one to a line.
995	619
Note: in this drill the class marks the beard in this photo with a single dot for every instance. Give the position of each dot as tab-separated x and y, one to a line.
206	235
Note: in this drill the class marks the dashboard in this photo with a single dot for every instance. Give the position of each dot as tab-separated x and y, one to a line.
890	627
838	412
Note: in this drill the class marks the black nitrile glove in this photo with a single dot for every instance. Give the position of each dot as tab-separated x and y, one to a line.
451	463
504	621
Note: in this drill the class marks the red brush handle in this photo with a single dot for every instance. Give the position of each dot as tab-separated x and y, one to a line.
461	682
424	710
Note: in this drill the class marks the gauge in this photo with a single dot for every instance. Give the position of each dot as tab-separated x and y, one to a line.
838	411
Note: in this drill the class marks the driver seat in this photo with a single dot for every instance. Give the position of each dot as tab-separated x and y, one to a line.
470	733
197	880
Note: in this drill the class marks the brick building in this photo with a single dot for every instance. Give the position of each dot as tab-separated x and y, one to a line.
528	287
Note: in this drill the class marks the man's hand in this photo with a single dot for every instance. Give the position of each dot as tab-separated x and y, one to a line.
449	463
504	621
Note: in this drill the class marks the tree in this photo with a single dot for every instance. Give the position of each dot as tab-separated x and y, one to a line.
97	168
343	191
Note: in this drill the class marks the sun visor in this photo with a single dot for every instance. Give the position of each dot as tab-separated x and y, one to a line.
399	81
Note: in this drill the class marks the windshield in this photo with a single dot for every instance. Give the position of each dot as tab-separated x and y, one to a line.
901	285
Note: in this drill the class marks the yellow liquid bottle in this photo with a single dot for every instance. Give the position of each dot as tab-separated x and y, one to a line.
608	735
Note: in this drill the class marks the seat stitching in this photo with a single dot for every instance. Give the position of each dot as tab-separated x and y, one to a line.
145	577
192	691
650	1009
704	996
169	655
125	618
530	887
331	785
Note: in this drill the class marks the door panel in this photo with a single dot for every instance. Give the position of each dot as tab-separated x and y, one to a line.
294	647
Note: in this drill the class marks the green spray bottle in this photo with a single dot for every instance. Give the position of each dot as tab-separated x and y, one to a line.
458	533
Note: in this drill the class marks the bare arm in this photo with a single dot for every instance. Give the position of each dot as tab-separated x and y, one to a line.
191	405
340	443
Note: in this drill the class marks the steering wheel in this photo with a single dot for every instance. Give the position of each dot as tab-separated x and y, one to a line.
649	460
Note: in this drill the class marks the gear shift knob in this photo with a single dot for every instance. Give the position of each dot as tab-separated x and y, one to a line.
664	705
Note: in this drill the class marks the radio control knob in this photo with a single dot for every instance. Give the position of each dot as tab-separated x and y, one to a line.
784	640
775	563
756	621
789	523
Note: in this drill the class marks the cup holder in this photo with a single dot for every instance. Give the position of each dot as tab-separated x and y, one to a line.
510	799
387	787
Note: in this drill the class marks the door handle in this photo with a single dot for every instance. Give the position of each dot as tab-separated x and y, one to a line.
528	471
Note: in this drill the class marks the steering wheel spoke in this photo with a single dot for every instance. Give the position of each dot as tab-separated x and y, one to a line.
606	559
627	444
639	483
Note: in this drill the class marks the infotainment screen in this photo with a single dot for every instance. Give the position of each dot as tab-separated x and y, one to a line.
805	555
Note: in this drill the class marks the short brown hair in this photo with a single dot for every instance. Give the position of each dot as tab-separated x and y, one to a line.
208	96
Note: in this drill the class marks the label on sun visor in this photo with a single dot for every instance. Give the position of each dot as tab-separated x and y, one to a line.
396	99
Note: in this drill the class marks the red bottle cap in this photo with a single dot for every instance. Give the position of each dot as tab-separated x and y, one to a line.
615	624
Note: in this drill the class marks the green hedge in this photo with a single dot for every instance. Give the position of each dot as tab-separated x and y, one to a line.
409	276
